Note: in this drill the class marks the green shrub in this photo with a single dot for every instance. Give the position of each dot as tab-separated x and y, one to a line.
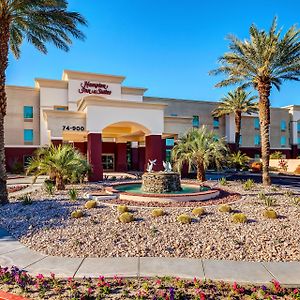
239	218
73	194
184	219
26	199
262	196
223	181
198	211
270	214
248	184
90	204
276	155
126	217
49	187
269	201
225	208
122	209
157	212
77	214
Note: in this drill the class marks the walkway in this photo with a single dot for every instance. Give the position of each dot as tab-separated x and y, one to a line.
13	253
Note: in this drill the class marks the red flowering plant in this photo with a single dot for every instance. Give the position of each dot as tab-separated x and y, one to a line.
283	164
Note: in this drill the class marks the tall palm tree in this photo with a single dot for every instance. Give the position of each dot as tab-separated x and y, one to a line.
39	22
236	102
199	148
264	60
62	164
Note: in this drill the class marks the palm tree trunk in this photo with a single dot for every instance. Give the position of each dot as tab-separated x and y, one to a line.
264	89
4	40
238	119
59	183
200	172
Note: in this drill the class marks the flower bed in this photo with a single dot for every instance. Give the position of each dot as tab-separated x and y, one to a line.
19	282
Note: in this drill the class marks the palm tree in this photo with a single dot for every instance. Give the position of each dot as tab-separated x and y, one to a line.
239	160
265	60
39	22
62	164
236	102
199	148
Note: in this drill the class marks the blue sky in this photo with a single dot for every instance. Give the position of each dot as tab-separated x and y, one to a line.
166	46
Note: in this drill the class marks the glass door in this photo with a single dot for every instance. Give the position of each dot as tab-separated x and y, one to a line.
108	162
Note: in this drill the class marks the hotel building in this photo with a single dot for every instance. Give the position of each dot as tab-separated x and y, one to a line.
119	128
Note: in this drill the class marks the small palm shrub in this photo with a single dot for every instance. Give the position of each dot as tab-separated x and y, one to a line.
73	194
225	208
270	214
126	217
198	211
269	201
239	218
248	184
90	204
49	187
223	181
276	155
122	209
239	160
157	212
26	200
184	219
77	214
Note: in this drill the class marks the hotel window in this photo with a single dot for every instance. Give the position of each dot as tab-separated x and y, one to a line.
256	123
298	126
61	108
28	112
216	122
283	141
283	125
196	121
257	140
168	155
173	115
28	136
299	141
170	142
241	140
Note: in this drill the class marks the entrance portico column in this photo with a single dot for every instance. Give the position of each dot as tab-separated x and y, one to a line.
154	150
94	152
121	162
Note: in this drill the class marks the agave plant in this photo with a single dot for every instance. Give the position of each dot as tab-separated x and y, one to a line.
62	164
199	148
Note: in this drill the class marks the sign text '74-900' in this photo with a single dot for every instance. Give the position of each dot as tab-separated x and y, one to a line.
73	128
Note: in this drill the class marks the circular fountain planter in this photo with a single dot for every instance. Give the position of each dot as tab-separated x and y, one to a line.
161	182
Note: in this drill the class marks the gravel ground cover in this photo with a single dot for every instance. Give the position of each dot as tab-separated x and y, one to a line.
167	288
46	226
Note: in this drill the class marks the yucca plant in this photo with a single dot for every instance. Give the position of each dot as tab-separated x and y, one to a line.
266	59
199	148
61	163
38	22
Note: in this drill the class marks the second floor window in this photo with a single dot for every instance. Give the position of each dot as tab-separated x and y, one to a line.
298	126
28	136
283	141
283	125
170	142
28	112
256	123
216	122
257	140
196	121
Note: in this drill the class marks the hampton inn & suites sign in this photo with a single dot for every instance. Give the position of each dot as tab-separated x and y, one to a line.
94	88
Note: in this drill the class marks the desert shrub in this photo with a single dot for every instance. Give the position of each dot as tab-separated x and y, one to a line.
26	199
276	155
262	195
73	194
256	166
239	218
270	214
248	184
283	164
198	211
122	209
297	171
223	181
126	217
77	214
49	187
90	204
184	219
225	208
269	201
157	212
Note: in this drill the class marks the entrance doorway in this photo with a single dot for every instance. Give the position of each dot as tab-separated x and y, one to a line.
108	162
